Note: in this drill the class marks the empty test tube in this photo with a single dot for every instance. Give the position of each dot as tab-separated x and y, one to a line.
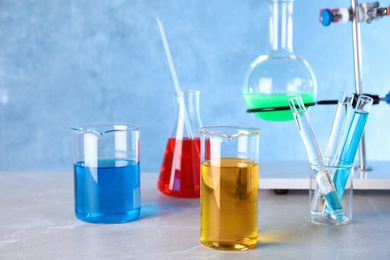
340	126
325	184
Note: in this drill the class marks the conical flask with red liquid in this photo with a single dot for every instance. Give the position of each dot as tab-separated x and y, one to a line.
180	169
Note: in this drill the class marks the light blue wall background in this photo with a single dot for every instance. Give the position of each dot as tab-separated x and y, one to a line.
65	62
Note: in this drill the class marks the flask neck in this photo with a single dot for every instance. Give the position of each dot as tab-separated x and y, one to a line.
187	116
281	28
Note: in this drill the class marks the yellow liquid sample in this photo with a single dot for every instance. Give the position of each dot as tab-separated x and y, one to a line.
228	204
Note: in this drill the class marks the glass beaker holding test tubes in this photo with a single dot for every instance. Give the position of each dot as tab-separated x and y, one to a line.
331	201
319	212
229	187
106	172
347	131
180	169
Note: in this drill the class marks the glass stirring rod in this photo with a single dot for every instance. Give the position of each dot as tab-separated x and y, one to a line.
314	153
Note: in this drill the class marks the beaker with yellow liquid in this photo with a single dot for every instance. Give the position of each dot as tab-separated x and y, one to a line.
229	187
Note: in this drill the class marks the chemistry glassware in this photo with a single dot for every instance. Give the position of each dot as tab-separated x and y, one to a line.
337	136
324	180
340	124
229	187
106	172
180	169
341	167
274	78
317	201
352	140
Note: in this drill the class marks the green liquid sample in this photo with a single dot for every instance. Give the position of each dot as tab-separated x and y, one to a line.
256	100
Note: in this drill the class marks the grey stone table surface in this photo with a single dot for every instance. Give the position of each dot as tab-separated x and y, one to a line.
37	221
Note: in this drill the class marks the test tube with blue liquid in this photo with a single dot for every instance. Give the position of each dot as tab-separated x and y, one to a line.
352	140
323	178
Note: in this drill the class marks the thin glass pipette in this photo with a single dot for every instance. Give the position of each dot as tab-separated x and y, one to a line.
182	109
340	126
314	153
174	77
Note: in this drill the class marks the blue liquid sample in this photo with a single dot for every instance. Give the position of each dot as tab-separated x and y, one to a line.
333	204
349	150
336	210
108	193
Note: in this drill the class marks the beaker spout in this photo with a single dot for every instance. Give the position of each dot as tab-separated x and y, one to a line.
103	128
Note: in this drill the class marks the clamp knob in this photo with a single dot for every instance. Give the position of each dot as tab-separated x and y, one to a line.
326	17
387	98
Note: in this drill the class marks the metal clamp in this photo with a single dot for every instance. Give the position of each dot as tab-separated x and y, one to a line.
366	12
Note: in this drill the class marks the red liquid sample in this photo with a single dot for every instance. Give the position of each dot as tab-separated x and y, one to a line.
180	170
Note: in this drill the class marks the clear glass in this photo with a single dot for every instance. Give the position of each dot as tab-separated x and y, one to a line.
352	139
106	167
340	124
319	213
229	187
325	184
274	78
180	169
337	136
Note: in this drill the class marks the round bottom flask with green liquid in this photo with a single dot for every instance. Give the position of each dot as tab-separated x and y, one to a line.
274	78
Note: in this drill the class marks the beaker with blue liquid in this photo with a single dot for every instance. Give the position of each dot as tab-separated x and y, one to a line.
106	172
